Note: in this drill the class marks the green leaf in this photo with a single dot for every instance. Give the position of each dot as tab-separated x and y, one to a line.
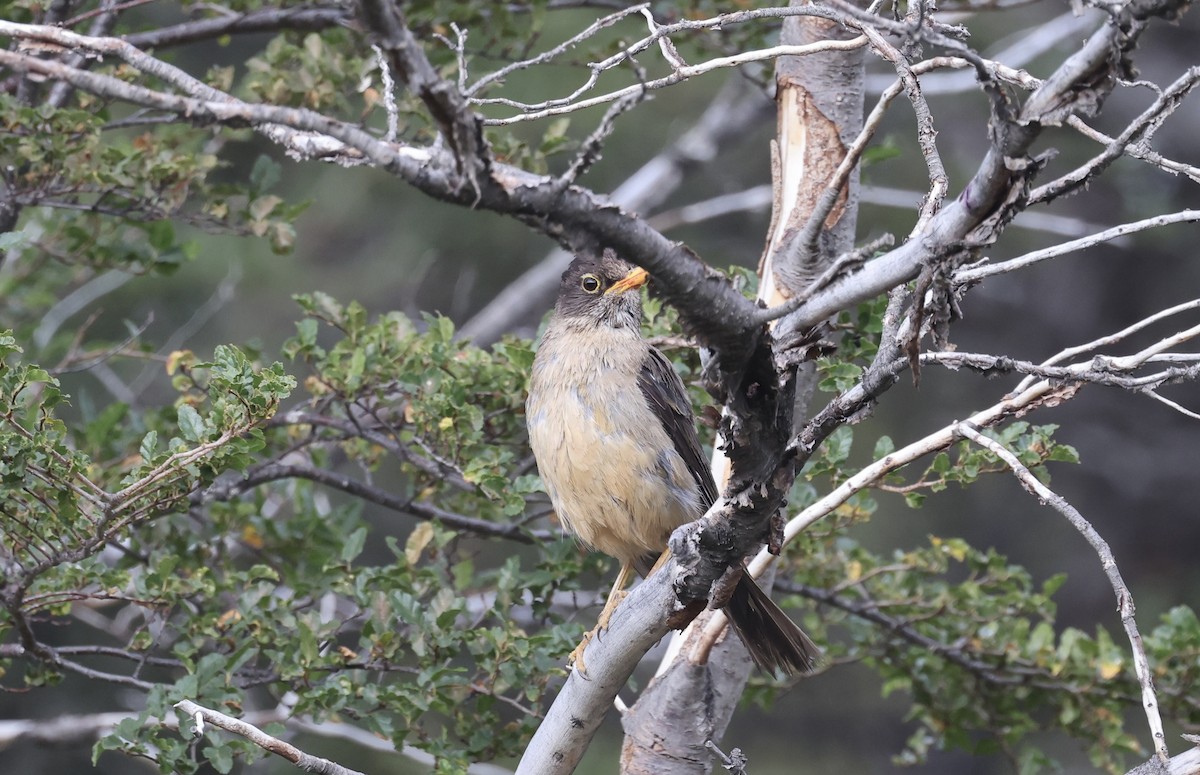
13	239
265	174
837	446
148	446
220	757
191	424
353	545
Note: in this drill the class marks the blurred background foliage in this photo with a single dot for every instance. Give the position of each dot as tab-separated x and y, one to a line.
178	283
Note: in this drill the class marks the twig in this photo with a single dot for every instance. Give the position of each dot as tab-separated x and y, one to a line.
498	76
314	140
1029	44
658	34
1029	395
926	134
842	265
735	761
1124	597
1139	131
105	8
1100	371
1124	333
678	75
589	152
389	95
1177	407
1137	151
299	18
976	273
459	47
665	44
304	761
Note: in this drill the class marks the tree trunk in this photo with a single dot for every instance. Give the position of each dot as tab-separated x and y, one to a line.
820	105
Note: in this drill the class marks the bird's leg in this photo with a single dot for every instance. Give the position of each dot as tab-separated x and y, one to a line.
615	596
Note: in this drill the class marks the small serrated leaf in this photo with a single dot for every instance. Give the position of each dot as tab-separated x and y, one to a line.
148	446
191	424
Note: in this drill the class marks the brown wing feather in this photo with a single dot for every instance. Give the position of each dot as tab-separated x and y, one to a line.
668	399
773	640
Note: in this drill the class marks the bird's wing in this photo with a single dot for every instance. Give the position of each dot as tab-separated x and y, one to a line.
668	399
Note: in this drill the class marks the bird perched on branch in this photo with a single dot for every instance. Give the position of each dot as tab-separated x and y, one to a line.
614	436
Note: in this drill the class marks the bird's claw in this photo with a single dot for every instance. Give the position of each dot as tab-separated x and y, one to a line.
575	658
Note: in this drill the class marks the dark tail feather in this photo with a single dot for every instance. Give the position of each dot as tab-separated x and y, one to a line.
773	640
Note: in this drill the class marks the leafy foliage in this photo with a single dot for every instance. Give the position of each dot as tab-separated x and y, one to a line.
359	536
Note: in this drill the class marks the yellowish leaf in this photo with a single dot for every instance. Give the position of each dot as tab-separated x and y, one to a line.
252	537
420	537
230	617
178	358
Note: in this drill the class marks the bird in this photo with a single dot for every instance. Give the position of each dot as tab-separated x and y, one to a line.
613	433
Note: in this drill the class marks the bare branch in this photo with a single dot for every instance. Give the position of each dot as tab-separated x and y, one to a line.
938	182
389	95
842	265
679	75
84	729
979	271
312	141
1121	335
1138	132
991	196
589	152
1029	395
660	36
1028	46
307	762
1173	404
275	471
499	75
317	17
1099	372
1138	151
1124	597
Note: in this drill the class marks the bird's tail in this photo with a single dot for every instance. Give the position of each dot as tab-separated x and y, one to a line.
772	638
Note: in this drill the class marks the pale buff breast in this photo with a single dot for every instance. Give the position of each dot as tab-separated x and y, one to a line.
612	473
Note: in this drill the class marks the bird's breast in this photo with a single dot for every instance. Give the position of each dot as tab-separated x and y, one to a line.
612	472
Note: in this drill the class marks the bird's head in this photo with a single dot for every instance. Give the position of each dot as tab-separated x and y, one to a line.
601	291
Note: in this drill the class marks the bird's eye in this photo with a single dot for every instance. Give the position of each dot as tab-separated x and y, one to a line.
590	283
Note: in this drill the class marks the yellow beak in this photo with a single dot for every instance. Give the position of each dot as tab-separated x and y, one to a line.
636	278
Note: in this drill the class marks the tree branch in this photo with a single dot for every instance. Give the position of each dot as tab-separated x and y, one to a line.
307	762
304	18
1124	596
278	470
988	201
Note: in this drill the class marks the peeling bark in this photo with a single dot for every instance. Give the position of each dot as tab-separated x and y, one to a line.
819	111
